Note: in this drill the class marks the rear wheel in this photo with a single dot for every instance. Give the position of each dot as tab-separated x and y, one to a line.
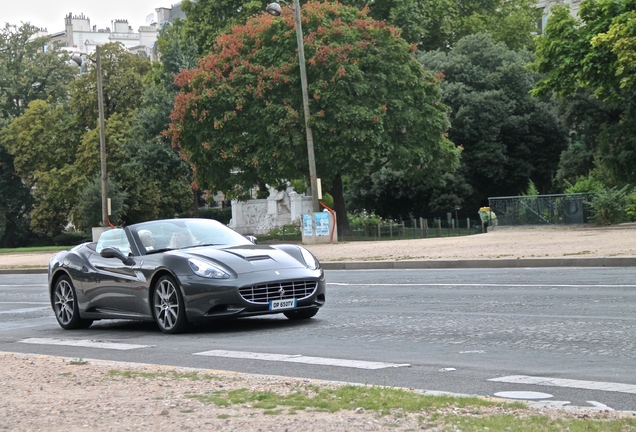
301	314
168	306
65	306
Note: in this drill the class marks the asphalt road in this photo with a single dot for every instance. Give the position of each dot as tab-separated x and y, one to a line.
566	334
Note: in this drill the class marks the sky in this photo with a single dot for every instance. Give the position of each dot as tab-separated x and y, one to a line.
50	14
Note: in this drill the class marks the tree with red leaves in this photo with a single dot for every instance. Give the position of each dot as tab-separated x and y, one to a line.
238	117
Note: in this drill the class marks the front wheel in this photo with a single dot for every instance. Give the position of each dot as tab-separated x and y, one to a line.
65	306
301	314
168	306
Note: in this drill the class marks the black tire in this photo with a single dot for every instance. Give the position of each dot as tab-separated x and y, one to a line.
64	302
301	314
168	307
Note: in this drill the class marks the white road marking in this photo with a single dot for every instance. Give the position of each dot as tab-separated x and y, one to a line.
25	310
600	405
523	395
84	343
559	382
297	358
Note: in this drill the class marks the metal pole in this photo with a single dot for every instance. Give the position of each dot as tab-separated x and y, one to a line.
102	139
303	83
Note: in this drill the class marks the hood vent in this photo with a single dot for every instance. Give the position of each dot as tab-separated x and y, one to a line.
258	257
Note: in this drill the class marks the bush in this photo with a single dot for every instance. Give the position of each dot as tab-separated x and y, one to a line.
71	238
608	206
222	215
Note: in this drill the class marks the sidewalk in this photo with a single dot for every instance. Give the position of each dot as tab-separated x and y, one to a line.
569	246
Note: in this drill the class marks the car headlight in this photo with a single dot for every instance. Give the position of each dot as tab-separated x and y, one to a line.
206	269
311	262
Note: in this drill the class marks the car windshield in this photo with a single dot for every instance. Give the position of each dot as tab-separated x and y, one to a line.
185	233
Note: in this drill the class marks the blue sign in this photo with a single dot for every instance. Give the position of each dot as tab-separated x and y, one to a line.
322	223
307	230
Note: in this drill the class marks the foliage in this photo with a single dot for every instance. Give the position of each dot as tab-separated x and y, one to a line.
440	24
89	209
207	19
363	218
608	206
373	105
14	205
630	206
391	194
597	54
28	71
223	215
532	189
122	87
327	200
508	137
587	184
43	143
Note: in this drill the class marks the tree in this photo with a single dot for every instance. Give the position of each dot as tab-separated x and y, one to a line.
596	53
43	142
30	68
15	203
509	137
122	74
206	19
439	24
238	118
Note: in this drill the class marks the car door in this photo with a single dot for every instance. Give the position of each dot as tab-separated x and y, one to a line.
111	283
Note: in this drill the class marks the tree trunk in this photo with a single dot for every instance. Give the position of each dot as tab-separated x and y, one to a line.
339	206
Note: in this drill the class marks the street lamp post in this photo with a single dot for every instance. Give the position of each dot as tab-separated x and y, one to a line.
275	9
102	139
102	133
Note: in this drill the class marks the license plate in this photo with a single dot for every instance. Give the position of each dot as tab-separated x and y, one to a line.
282	304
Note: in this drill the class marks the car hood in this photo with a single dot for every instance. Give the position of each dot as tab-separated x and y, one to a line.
246	258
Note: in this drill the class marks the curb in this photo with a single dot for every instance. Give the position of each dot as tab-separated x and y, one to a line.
483	263
444	264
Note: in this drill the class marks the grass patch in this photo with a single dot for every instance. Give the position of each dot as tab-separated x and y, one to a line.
446	411
171	374
34	249
585	252
379	399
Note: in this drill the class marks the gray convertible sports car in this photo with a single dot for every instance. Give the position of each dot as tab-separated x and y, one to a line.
180	272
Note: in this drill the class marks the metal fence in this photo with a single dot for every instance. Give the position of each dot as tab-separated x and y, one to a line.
413	229
540	209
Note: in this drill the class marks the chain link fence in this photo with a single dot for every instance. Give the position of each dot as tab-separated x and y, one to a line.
540	209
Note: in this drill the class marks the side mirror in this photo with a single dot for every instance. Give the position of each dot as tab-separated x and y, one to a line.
252	239
110	252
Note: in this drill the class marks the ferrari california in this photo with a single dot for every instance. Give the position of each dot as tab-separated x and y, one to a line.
179	273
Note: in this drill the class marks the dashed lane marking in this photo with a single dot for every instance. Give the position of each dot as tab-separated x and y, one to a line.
84	343
358	364
559	382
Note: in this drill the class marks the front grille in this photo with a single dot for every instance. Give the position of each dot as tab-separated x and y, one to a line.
262	294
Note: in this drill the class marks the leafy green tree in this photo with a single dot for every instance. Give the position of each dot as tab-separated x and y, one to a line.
239	122
508	137
122	75
15	203
392	195
43	142
439	24
596	53
207	19
89	209
30	68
